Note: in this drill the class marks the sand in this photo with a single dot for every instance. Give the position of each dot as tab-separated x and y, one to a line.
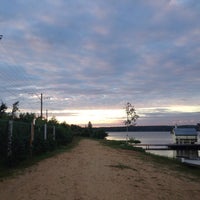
92	171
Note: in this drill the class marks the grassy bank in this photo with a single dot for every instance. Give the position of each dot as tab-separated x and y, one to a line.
158	161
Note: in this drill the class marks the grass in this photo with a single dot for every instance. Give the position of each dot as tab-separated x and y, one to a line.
158	161
122	166
121	144
15	170
179	169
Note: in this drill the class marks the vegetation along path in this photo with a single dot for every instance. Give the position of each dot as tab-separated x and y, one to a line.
94	171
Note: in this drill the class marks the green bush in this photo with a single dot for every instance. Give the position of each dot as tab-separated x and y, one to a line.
132	140
21	146
63	135
85	133
99	134
3	138
20	141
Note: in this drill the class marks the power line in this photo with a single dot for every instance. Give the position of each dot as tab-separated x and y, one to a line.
10	77
11	80
15	70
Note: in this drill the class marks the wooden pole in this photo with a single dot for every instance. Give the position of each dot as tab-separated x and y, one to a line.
41	107
32	138
10	133
54	133
45	131
46	114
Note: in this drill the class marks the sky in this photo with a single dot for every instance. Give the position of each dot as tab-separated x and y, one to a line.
90	57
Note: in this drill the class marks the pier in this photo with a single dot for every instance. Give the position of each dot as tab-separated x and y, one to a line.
170	146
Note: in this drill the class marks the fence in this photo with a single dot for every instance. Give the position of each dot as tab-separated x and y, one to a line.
20	140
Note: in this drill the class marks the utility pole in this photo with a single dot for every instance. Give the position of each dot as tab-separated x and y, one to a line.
41	98
41	107
46	114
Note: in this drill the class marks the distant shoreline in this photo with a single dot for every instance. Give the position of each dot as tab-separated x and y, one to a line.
163	128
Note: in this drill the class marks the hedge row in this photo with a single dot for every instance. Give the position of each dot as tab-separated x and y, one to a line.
21	146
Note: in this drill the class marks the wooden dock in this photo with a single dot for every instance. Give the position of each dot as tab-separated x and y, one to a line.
170	146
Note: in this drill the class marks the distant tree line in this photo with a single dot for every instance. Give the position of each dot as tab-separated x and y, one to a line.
146	128
89	131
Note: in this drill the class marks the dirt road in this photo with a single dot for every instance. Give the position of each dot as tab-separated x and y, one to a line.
92	171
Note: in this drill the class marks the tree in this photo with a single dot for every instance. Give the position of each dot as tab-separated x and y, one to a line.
131	116
53	121
3	109
27	117
15	109
90	127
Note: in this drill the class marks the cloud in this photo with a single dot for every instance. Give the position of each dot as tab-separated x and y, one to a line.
101	53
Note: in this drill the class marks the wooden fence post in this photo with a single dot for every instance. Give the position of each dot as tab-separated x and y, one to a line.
10	133
45	132
54	133
32	138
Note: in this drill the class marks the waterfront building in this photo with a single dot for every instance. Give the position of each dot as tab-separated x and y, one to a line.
184	135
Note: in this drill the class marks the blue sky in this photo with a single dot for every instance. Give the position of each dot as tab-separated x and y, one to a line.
90	57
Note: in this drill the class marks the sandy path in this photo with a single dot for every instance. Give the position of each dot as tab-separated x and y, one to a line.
92	172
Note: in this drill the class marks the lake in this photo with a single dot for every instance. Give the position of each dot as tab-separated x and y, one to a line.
153	138
144	137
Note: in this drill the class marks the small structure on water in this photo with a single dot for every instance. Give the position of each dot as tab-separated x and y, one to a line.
184	135
185	138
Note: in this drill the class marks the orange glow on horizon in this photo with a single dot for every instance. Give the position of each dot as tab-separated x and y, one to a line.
116	117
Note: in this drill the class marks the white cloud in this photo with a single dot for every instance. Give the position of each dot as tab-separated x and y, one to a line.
101	54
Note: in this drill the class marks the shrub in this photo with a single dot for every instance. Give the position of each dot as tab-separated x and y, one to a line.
63	135
99	134
20	144
134	141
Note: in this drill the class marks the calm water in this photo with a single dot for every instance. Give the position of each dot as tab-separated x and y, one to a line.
144	137
150	138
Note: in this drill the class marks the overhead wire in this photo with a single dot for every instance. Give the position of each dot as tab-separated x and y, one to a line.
21	93
11	80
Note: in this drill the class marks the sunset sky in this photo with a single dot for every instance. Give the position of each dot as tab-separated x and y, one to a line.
90	57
